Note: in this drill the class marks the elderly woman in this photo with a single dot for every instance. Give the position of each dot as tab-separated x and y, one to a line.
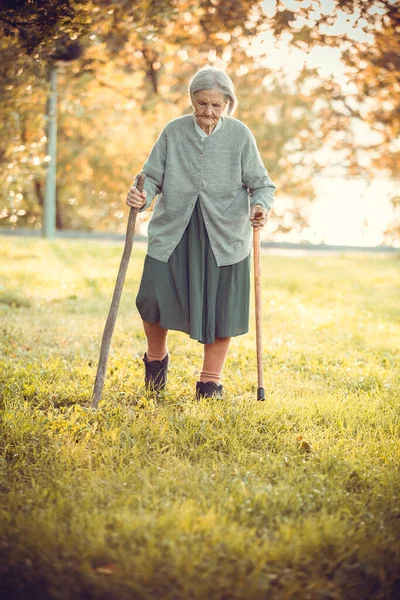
212	188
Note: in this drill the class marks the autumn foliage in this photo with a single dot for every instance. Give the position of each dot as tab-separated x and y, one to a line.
123	71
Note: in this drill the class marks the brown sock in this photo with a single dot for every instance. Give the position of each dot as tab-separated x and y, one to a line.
214	358
156	341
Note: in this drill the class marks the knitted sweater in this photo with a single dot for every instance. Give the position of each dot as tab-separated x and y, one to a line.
224	171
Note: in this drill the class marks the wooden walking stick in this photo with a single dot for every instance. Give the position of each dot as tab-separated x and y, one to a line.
257	296
112	315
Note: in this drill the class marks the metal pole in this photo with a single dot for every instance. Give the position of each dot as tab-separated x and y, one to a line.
50	189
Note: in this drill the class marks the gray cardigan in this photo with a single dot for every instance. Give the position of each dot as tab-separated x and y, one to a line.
224	171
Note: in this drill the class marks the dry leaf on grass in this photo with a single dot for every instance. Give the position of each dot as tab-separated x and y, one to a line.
111	569
303	445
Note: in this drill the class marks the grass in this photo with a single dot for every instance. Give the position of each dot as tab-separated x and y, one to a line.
294	498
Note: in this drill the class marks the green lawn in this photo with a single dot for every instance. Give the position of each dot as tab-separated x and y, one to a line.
294	498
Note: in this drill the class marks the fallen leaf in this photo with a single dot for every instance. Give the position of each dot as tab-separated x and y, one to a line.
111	569
303	445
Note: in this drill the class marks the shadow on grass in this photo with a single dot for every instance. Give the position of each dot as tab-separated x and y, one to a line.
14	300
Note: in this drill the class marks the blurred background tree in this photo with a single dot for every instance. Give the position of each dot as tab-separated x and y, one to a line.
372	57
367	34
131	79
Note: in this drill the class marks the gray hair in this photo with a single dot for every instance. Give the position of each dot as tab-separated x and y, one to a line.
212	78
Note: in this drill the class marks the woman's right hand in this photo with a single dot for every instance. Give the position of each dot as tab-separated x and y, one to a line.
136	199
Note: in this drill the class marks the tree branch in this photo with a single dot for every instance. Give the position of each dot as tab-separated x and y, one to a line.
18	26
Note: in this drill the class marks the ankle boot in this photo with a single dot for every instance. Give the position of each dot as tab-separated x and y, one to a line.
155	373
208	389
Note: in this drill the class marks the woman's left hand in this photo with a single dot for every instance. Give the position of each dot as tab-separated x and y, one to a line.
258	216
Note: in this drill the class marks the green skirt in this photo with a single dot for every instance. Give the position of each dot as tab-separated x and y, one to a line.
190	293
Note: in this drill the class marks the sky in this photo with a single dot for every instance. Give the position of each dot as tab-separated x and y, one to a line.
351	212
347	211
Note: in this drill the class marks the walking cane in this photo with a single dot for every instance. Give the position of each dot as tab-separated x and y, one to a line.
257	295
112	315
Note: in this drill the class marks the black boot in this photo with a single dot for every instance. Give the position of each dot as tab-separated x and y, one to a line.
155	373
208	389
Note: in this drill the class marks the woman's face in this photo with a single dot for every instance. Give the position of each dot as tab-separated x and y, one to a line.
208	106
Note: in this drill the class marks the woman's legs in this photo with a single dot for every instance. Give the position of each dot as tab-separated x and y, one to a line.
156	341
157	353
214	358
156	356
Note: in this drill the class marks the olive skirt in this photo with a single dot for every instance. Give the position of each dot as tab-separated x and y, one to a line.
190	293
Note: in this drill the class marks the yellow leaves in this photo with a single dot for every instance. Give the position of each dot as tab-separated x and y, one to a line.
114	434
73	423
29	391
147	403
143	401
78	409
80	424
